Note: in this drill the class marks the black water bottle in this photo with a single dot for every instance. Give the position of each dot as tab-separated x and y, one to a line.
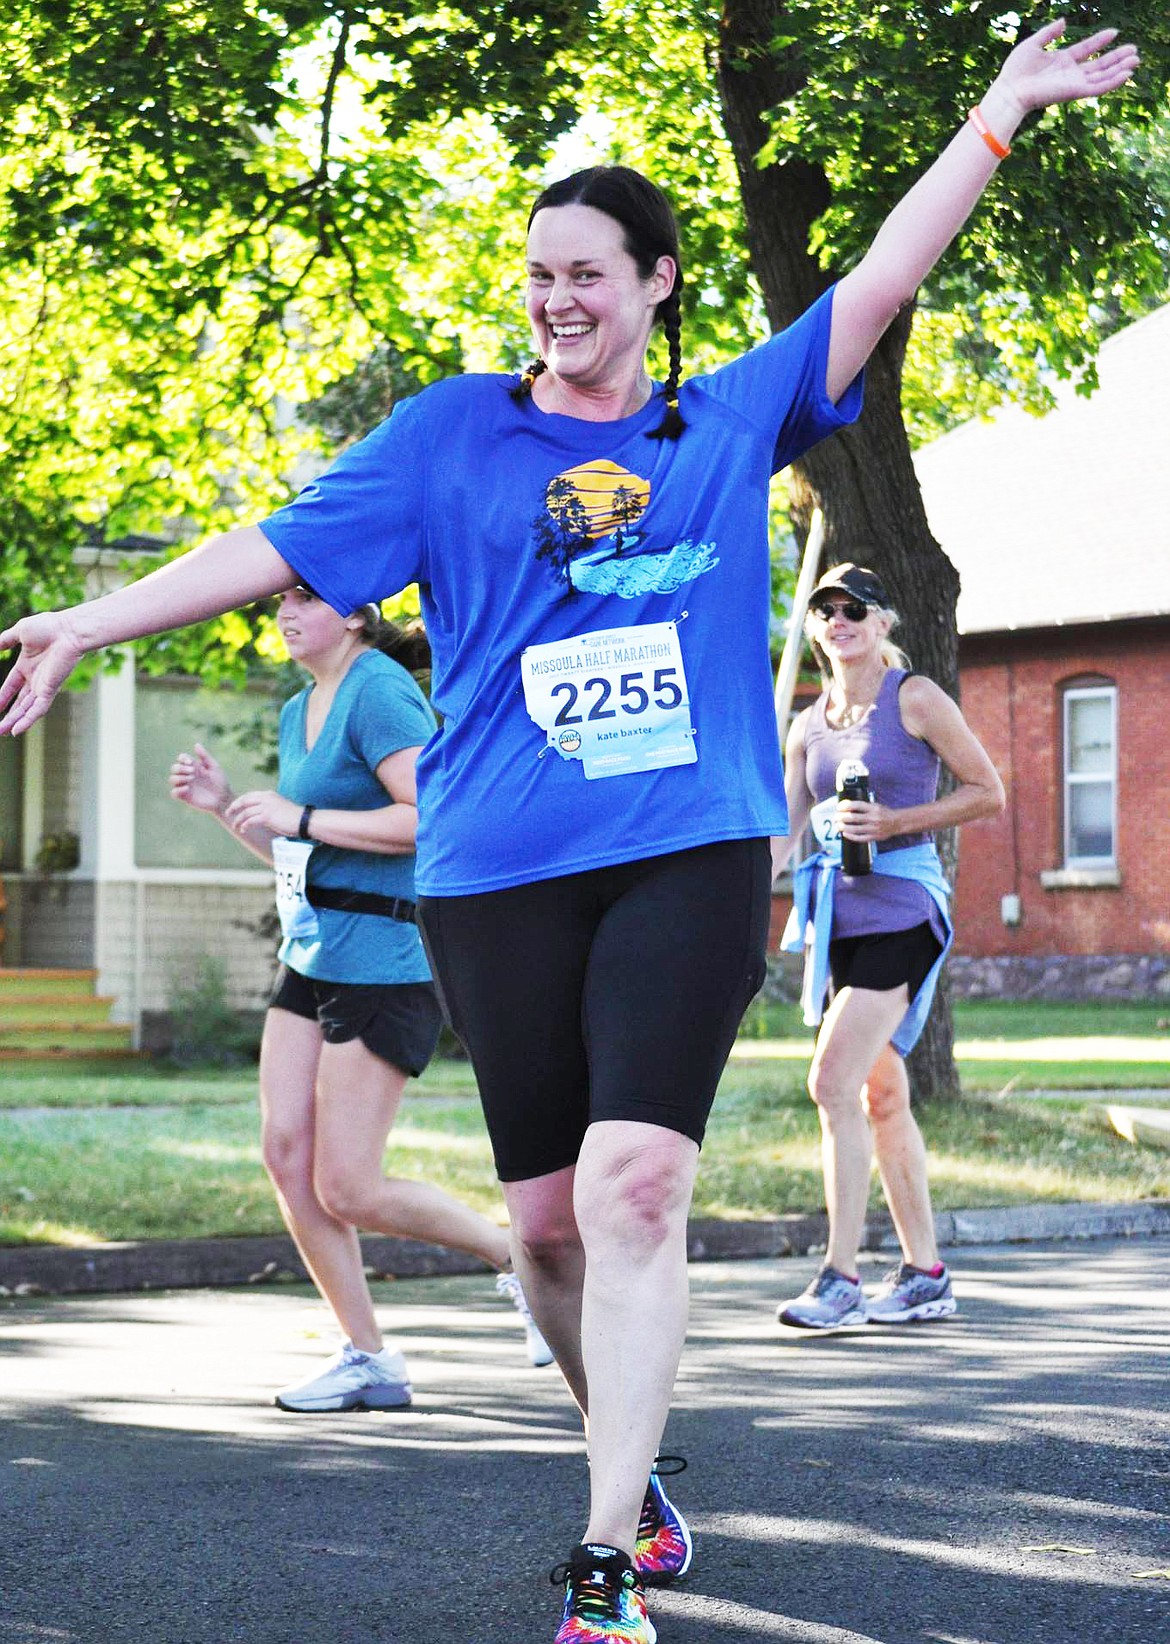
853	783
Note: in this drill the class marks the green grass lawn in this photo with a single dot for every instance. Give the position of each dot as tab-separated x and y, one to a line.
150	1153
150	1084
1003	1047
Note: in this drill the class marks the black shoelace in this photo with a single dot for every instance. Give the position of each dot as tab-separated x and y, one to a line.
595	1586
669	1466
595	1595
650	1517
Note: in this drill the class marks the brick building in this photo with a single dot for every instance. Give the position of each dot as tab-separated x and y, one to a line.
1060	530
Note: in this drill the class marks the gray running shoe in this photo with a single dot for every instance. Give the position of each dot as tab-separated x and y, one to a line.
539	1351
907	1294
353	1380
830	1301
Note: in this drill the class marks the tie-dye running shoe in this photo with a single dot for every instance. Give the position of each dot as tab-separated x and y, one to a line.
604	1601
663	1552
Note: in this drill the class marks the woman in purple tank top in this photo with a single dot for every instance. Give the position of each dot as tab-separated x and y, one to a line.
887	932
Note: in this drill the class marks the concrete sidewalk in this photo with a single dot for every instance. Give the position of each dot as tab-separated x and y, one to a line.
1000	1478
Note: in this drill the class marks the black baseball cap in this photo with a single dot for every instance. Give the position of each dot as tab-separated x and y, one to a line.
855	581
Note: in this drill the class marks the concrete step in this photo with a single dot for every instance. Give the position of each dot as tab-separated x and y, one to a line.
1149	1126
59	1008
79	1039
109	1053
17	982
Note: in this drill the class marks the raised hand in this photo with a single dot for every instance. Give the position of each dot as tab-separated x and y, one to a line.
200	781
50	649
1035	76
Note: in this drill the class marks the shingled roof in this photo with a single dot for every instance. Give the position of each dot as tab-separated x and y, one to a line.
1064	518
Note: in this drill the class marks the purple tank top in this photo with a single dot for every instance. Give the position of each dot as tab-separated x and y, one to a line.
903	771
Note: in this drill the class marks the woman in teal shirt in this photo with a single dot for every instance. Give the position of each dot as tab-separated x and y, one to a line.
353	1013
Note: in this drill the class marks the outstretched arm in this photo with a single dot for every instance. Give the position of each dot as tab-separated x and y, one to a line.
225	573
925	220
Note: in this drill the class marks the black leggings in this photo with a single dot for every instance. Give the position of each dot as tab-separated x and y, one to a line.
611	994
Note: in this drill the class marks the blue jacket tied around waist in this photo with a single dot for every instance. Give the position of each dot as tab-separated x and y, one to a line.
811	922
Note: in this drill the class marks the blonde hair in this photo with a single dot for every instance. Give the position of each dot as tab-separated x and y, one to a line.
893	655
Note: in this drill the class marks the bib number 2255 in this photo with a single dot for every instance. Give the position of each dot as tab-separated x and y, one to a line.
616	699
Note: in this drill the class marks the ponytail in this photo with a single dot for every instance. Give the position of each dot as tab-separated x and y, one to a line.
405	643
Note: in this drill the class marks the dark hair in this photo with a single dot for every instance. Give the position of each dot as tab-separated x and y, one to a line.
406	643
649	231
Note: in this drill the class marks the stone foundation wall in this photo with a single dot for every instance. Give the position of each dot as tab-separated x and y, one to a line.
1011	976
1062	976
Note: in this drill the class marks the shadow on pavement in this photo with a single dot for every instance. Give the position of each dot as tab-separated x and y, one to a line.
999	1479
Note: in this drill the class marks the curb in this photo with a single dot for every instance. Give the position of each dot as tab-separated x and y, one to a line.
191	1264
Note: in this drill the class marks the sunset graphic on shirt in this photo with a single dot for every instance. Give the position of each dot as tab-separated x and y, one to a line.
597	499
586	533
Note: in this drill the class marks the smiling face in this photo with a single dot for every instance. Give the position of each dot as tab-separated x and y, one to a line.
850	638
590	310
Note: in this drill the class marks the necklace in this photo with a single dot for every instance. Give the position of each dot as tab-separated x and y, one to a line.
849	713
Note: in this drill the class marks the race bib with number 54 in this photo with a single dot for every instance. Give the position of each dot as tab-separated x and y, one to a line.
617	699
290	858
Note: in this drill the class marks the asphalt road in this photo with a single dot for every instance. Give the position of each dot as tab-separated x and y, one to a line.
1001	1478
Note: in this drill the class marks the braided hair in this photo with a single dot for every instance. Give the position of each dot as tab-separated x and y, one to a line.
650	232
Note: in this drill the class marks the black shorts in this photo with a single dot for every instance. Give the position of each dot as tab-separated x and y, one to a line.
399	1022
611	994
884	961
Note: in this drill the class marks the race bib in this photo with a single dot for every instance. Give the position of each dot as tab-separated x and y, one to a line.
290	858
823	821
617	700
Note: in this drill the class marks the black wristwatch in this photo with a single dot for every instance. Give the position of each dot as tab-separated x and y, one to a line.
303	825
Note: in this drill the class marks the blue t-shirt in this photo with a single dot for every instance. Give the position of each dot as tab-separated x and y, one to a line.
378	710
525	528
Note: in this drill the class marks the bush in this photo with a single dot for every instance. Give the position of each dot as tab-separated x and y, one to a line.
206	1030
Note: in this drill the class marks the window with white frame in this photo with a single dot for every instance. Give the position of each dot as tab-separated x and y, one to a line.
1090	776
170	715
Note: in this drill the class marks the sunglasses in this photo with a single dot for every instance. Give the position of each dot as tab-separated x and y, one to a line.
853	610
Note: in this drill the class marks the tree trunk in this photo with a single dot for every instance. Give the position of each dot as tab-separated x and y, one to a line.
862	478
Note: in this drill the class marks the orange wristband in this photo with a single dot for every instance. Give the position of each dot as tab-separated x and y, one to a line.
1000	150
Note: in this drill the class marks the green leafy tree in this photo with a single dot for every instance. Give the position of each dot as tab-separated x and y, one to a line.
212	217
213	214
831	108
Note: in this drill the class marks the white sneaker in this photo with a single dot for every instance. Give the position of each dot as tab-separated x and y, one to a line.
352	1380
539	1351
830	1301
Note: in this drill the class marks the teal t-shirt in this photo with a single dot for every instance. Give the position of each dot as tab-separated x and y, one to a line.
597	604
378	710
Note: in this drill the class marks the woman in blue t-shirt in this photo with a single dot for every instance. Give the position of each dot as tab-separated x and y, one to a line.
353	1012
593	864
